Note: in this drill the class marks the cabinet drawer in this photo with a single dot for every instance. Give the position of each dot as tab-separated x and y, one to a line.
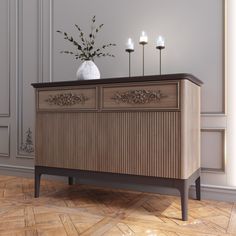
67	99
152	96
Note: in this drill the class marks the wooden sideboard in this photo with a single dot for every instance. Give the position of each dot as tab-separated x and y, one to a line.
140	129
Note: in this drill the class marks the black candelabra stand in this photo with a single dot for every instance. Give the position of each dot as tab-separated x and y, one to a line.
160	48
129	51
143	43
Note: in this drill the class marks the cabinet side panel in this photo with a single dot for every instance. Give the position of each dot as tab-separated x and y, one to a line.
190	128
137	143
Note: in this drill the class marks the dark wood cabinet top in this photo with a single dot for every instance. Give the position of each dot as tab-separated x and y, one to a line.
167	77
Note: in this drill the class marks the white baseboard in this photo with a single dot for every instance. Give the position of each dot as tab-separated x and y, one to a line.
210	192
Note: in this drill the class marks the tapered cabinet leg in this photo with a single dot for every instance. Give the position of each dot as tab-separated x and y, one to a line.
198	188
184	200
71	180
37	178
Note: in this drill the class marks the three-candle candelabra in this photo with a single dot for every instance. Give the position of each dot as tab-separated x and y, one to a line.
143	40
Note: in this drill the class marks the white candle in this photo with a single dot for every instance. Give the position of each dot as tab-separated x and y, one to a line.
130	44
143	38
160	41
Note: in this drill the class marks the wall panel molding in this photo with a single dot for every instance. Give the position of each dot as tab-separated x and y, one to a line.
21	131
51	24
6	154
224	75
8	58
220	170
45	36
19	77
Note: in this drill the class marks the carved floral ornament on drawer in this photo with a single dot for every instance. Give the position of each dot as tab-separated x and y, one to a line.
66	99
138	96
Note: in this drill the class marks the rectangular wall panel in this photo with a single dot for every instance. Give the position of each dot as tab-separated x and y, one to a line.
4	141
27	73
4	58
213	150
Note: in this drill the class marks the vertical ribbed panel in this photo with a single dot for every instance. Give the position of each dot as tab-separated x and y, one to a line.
137	143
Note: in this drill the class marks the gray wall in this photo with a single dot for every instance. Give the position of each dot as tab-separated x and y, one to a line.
29	52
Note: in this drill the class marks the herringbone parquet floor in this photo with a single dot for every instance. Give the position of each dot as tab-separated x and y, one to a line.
85	210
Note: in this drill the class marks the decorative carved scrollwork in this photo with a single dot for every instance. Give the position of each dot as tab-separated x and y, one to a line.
139	96
28	145
66	99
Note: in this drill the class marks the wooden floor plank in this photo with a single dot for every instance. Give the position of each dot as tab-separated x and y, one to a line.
29	216
68	225
232	221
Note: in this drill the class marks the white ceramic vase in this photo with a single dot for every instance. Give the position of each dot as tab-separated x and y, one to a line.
88	70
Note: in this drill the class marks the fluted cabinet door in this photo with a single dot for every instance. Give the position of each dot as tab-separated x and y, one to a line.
137	143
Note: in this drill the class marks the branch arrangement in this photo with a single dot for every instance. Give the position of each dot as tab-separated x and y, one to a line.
86	48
